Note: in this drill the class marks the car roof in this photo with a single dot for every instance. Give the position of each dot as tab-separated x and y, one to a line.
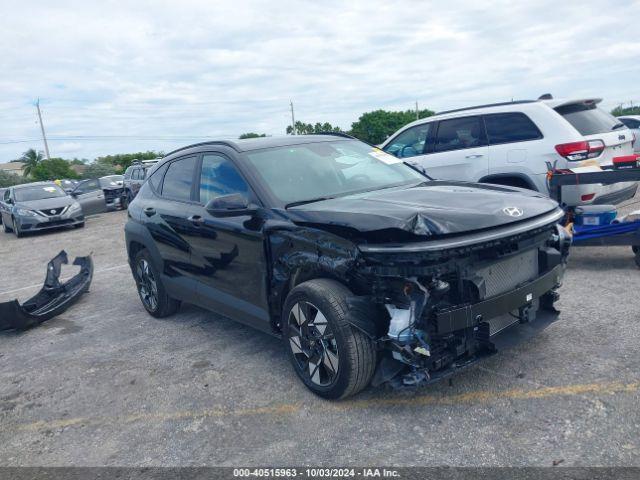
631	117
501	107
246	145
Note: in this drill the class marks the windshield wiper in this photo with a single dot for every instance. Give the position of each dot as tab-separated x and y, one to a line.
304	202
617	126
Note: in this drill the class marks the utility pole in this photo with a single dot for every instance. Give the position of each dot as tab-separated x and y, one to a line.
293	119
417	117
44	137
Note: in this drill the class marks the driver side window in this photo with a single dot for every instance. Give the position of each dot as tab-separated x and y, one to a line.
409	143
219	177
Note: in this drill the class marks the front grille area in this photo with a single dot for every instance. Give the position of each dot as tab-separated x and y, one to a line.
111	195
505	275
49	212
54	223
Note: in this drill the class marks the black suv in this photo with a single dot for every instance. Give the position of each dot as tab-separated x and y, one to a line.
369	270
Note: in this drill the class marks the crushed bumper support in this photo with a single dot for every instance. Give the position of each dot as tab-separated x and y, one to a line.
52	299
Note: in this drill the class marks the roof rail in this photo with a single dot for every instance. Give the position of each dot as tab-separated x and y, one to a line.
340	134
336	134
502	104
211	142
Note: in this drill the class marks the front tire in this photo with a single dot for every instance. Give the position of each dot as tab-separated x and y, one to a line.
333	359
151	291
15	228
79	225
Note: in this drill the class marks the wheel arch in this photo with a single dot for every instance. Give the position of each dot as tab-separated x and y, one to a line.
516	179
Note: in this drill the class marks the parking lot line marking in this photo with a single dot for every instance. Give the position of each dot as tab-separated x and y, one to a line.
478	397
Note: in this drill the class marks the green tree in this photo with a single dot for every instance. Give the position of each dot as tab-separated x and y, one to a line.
31	159
55	168
251	135
98	169
618	111
308	129
10	179
374	127
121	161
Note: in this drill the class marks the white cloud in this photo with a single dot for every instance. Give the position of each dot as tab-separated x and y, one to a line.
121	76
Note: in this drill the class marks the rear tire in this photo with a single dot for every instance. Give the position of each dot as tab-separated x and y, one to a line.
333	359
151	291
6	228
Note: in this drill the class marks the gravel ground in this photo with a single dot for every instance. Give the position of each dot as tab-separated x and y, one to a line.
106	384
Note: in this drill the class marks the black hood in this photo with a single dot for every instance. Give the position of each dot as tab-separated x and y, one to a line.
436	208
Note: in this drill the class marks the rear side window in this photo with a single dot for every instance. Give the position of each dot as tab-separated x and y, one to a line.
179	179
510	127
156	178
630	122
219	177
410	142
587	118
459	133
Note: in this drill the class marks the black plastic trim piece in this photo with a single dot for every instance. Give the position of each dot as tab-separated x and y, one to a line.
52	299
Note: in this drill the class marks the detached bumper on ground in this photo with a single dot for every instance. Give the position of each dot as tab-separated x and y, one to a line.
52	299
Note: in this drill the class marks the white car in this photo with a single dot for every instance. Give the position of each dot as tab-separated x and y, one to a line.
511	143
633	123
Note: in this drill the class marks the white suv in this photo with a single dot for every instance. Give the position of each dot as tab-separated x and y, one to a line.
511	143
633	123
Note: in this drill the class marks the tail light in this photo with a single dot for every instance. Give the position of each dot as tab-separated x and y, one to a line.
580	150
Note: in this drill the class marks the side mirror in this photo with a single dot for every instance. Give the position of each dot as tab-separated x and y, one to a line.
232	205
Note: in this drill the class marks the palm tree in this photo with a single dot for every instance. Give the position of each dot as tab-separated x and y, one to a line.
31	159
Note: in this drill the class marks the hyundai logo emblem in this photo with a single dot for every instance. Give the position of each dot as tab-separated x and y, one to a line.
513	211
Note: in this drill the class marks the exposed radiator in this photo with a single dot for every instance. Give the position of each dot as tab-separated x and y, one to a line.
505	275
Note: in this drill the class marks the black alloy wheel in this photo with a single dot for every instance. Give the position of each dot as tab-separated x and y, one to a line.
313	344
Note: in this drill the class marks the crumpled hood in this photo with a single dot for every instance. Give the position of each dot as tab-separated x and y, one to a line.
436	208
46	203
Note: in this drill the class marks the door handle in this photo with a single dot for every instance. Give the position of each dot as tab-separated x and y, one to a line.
197	220
149	211
474	155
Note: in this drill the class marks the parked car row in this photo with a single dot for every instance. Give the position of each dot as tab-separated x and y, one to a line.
38	206
41	206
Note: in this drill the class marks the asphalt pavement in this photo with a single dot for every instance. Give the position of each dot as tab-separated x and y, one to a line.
106	384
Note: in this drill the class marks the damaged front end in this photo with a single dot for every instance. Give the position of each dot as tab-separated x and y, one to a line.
437	306
448	308
52	299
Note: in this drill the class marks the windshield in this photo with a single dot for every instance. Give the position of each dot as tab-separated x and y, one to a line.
26	194
300	173
587	118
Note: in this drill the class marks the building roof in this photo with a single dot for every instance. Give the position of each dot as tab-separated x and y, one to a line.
12	166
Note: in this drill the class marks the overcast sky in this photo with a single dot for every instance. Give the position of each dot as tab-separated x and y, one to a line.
117	77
